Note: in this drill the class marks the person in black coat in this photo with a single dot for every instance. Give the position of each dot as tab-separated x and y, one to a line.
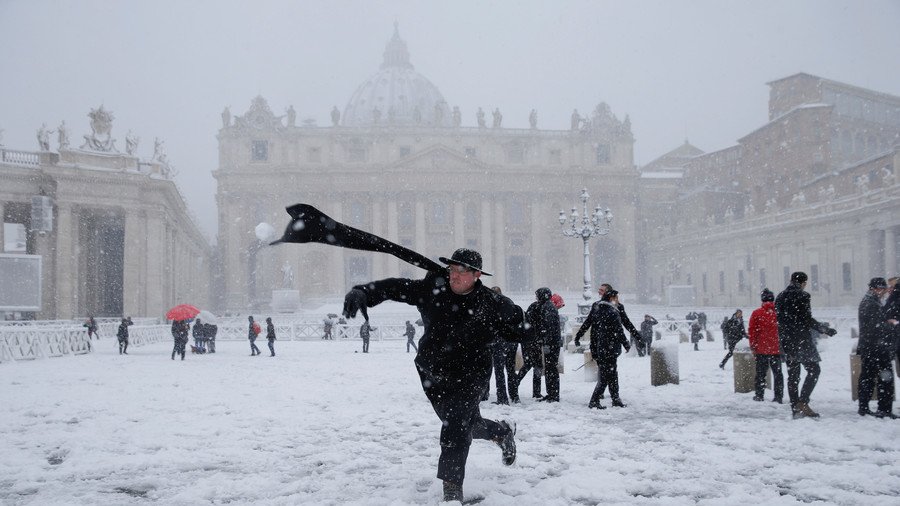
623	317
696	336
199	334
462	318
504	360
532	355
546	326
122	335
732	332
876	350
607	341
252	332
210	331
647	332
410	337
364	332
270	336
180	335
795	321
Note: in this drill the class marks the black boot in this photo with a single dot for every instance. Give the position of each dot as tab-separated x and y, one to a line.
452	492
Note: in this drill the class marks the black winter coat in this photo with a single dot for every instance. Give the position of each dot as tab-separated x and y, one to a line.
455	347
647	329
543	316
732	330
122	333
795	320
607	337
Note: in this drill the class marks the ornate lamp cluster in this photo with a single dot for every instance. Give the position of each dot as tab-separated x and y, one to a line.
585	227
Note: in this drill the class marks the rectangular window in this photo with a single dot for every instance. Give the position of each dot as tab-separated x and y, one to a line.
704	283
356	154
787	276
515	153
762	278
470	152
405	217
742	287
405	151
314	155
259	151
517	214
722	281
602	154
471	214
555	157
814	277
439	214
845	274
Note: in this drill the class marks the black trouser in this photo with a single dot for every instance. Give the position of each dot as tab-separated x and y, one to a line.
410	342
607	375
793	381
272	347
763	363
457	408
500	357
365	345
212	345
254	350
639	346
123	345
179	348
877	372
551	372
731	345
532	357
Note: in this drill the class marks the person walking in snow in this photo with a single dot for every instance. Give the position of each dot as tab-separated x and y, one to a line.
544	317
180	335
876	350
623	318
253	331
199	334
270	336
732	332
763	335
364	332
532	356
462	318
647	332
91	326
504	360
122	335
795	322
607	341
410	337
696	336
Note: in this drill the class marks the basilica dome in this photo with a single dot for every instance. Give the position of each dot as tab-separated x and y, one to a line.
396	95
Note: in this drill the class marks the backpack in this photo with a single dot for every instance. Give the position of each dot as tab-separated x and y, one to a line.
256	328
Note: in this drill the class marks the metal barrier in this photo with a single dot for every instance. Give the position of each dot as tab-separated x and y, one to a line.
313	331
40	341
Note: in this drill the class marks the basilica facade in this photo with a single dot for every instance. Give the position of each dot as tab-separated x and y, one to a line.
400	162
815	189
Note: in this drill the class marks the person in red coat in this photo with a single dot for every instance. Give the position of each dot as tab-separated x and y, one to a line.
763	333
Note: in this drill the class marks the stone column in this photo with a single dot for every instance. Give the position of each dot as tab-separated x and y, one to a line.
393	269
459	240
498	260
538	251
420	227
890	252
135	254
154	274
66	264
338	282
45	247
486	243
379	260
2	221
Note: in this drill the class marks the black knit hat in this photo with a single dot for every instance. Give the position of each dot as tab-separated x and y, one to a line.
877	283
766	295
799	277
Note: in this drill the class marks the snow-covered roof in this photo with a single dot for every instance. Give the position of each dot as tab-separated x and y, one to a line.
668	174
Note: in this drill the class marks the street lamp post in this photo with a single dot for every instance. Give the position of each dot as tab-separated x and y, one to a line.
591	225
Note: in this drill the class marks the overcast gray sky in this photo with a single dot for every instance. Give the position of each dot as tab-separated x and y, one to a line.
680	69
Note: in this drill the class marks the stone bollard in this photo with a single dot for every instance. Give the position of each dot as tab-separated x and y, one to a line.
657	335
683	338
709	336
744	372
664	364
590	368
854	334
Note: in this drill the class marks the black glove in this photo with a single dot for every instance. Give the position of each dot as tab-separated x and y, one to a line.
354	301
830	331
627	347
577	343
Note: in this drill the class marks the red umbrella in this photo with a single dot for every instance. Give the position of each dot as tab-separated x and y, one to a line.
182	312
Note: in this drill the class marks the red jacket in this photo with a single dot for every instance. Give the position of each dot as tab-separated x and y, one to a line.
763	330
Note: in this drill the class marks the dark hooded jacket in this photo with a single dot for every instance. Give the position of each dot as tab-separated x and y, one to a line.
455	347
543	316
795	321
607	336
875	340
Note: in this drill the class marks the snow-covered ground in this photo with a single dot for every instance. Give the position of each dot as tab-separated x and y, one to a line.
322	424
